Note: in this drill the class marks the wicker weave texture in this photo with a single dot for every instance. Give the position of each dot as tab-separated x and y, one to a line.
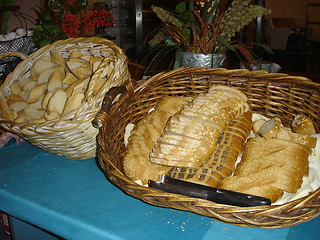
269	94
72	135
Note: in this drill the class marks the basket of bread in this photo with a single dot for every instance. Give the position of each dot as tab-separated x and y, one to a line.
237	146
52	96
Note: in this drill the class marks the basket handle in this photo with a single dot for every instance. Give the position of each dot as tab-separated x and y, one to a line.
109	100
20	55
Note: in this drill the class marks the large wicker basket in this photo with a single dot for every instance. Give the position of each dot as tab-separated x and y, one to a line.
270	94
72	135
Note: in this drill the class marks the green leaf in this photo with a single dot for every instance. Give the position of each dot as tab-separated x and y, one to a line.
52	29
44	42
38	28
212	12
226	44
181	7
265	47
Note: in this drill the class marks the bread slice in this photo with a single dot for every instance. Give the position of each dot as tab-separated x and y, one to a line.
73	102
57	102
46	99
222	162
55	81
40	65
57	58
15	89
36	92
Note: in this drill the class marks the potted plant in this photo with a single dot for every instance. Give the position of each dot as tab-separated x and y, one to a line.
202	30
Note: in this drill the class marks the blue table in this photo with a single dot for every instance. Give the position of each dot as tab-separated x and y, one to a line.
74	200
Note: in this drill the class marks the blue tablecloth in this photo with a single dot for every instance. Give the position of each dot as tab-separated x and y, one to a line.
74	200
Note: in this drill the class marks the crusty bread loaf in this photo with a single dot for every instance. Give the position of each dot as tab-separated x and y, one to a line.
222	162
143	137
269	162
191	134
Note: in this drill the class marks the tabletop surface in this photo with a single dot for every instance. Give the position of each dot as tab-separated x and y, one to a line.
74	200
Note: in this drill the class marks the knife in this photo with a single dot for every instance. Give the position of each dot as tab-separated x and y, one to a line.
217	195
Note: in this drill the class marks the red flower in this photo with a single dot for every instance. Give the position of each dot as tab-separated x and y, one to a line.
96	19
70	2
70	25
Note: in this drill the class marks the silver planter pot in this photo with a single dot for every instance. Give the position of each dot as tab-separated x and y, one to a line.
187	59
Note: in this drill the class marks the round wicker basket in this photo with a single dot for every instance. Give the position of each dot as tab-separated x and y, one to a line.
72	135
270	94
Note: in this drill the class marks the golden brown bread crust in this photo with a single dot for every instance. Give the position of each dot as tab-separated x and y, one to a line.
143	137
222	162
269	163
191	134
303	125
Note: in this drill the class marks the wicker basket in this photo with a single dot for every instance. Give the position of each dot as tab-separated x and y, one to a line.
72	135
269	94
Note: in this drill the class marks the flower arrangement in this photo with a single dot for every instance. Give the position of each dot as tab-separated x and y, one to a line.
204	27
69	19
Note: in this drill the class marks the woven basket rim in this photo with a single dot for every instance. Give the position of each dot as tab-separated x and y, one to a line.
211	209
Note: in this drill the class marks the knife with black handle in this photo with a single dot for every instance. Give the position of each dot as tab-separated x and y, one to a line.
216	195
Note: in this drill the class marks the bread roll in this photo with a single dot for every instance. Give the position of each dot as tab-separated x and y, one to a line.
28	86
69	78
270	128
75	54
95	62
303	125
257	124
51	116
